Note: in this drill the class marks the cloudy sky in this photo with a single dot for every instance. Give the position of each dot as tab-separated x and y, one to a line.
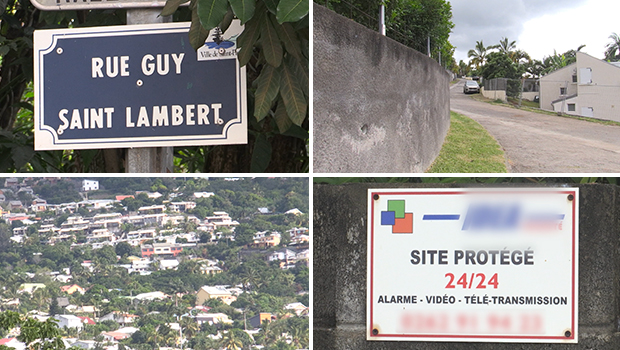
538	26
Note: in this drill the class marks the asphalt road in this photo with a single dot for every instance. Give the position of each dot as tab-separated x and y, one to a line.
540	143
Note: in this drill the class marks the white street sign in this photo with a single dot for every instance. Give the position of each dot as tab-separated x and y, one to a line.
58	5
477	265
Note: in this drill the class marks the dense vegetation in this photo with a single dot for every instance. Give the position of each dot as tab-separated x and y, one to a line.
267	287
410	22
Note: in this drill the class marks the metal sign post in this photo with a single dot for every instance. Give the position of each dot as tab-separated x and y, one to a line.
148	160
473	265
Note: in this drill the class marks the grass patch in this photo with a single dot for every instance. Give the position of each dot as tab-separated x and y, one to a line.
533	107
524	103
468	148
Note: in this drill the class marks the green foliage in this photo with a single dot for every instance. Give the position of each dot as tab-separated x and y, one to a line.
513	88
274	49
410	22
18	22
62	191
499	65
612	50
37	335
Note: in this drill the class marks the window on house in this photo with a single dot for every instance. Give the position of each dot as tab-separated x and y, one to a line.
586	75
562	91
571	107
574	78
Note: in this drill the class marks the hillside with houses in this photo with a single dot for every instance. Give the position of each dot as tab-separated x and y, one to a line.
169	263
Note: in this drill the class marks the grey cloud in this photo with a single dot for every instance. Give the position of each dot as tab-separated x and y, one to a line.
490	20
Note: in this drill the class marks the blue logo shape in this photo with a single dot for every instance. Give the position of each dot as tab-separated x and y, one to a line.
388	218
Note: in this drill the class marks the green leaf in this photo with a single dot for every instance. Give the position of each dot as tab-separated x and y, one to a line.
227	20
171	6
292	10
197	34
3	4
282	119
261	155
272	49
244	9
247	39
272	5
292	94
300	68
22	155
268	86
211	12
287	35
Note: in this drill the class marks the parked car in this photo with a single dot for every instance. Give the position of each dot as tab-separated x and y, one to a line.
471	86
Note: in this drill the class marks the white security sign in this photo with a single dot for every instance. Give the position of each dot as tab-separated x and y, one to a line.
479	265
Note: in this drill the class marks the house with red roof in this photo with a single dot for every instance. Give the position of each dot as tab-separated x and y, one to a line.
87	320
114	336
13	343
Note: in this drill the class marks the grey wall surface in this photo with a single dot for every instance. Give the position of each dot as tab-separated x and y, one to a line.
379	106
339	272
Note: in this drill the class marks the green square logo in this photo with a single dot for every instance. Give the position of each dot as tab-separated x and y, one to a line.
398	207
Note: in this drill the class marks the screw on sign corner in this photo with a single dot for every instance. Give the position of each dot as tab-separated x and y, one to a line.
375	197
567	334
571	197
375	331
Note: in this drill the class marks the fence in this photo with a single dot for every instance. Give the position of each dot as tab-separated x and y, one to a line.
513	87
369	17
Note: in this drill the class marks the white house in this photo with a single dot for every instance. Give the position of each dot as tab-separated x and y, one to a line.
589	88
90	185
13	343
297	308
69	321
152	296
214	318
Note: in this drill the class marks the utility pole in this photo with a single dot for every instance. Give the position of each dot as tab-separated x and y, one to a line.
382	19
428	46
148	159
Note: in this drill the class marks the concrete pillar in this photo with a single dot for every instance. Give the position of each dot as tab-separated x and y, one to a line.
148	160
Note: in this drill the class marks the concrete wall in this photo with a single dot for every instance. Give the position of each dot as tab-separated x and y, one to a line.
530	95
339	272
494	94
378	106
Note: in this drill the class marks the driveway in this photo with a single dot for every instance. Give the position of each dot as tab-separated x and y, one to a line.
540	143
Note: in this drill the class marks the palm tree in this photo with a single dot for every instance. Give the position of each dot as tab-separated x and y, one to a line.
478	55
189	326
271	333
505	46
612	50
518	55
231	342
299	336
40	297
555	62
